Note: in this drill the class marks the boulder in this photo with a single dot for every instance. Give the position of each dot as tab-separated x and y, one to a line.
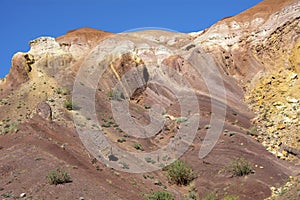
44	110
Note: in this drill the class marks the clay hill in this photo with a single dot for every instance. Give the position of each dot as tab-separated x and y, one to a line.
96	115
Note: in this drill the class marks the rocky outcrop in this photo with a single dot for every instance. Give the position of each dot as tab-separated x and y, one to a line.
295	58
19	72
80	40
277	106
60	58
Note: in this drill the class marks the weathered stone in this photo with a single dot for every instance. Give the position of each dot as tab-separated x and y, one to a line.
22	195
44	110
292	100
292	150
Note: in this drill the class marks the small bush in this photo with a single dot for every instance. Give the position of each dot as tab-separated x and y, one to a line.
7	194
58	176
63	91
147	107
240	167
160	195
69	105
211	196
180	173
10	128
115	95
121	140
150	160
192	195
105	125
252	130
181	119
138	146
230	197
124	165
59	91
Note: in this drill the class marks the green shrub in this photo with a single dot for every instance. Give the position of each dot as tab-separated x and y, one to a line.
115	95
105	125
58	176
252	130
7	194
69	105
181	119
10	128
63	91
192	195
180	173
230	197
138	146
147	107
150	160
121	140
59	91
160	195
211	196
124	165
240	167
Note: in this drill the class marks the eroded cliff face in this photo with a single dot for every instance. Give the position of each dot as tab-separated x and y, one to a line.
257	40
260	48
242	71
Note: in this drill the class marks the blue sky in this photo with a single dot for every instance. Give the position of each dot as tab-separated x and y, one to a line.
25	20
